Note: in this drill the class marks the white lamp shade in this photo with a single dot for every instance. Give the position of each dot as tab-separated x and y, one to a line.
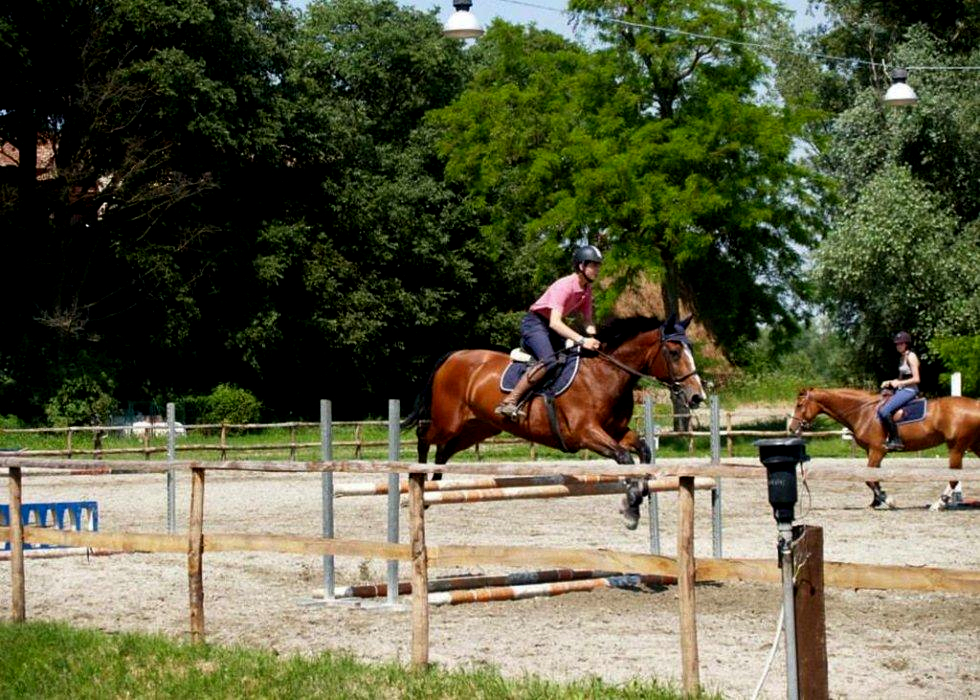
900	94
462	25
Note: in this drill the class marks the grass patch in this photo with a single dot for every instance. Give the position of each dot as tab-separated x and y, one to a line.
46	660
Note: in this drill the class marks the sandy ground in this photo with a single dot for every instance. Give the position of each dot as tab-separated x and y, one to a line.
880	644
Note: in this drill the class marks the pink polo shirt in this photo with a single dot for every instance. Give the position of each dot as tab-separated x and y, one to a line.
569	296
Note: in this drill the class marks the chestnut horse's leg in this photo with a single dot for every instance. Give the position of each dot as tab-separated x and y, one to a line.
470	434
956	451
880	498
634	443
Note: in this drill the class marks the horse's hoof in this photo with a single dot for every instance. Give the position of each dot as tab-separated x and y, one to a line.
630	512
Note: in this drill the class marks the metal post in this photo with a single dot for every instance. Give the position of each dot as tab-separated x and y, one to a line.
326	490
789	609
653	504
716	491
171	473
394	444
956	384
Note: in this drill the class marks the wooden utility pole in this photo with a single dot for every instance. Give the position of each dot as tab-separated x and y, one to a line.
811	620
195	555
18	609
420	570
685	586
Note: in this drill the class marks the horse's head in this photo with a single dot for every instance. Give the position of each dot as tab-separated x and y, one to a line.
644	346
675	349
806	410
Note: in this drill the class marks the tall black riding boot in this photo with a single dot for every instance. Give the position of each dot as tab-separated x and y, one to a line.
894	442
510	407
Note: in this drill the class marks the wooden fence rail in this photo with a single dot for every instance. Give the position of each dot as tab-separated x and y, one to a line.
359	443
685	567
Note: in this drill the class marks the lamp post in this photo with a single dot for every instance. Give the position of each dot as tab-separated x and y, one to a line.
780	457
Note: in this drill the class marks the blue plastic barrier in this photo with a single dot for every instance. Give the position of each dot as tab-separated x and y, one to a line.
66	515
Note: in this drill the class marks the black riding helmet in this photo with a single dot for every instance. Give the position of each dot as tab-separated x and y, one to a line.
902	337
586	254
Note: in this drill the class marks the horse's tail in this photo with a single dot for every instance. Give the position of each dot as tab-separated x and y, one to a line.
422	410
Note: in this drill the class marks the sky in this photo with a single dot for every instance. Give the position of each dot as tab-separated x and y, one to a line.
527	11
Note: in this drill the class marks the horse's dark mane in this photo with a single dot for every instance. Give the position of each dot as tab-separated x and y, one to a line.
617	331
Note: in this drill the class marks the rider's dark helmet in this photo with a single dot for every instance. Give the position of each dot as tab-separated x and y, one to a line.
902	337
586	254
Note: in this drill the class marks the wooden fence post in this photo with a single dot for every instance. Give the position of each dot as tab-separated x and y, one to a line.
420	570
17	596
728	434
811	620
685	586
195	551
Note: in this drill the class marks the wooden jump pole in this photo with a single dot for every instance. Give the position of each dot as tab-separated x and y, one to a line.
195	551
685	586
537	590
454	583
514	586
381	488
420	572
568	490
18	608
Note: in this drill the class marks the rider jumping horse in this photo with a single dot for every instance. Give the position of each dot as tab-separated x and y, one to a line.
456	409
954	420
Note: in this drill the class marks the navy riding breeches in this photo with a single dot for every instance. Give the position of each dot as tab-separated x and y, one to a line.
538	338
899	398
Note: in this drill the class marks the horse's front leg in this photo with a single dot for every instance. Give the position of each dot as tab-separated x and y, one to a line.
946	498
880	499
600	442
634	443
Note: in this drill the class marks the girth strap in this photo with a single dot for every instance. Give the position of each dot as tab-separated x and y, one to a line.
549	403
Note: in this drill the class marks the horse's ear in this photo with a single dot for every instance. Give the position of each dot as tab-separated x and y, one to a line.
686	322
670	322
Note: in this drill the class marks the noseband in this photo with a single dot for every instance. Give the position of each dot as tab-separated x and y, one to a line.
803	424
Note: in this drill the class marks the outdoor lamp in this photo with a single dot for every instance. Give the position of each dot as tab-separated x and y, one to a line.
899	93
463	24
780	456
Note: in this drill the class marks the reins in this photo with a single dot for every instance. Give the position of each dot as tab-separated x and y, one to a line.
805	424
673	382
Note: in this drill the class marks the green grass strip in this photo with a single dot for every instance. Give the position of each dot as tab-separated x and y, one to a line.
53	660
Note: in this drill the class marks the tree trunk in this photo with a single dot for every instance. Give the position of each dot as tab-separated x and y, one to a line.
670	293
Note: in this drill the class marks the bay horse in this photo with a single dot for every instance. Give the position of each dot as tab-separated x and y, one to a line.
953	420
456	409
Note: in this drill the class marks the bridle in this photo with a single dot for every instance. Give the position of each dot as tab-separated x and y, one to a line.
672	382
807	424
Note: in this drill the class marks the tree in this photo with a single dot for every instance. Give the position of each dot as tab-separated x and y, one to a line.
657	143
147	112
899	254
368	270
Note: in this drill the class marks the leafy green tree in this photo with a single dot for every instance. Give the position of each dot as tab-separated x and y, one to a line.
901	248
657	146
368	269
148	107
961	354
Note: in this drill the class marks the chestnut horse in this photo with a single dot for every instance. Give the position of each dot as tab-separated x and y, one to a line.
954	420
456	409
